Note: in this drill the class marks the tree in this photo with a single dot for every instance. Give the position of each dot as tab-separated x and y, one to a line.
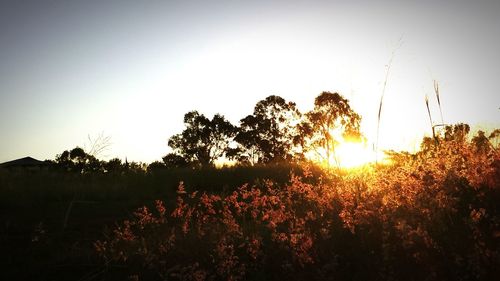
267	135
331	120
173	160
204	140
77	160
156	166
114	166
64	161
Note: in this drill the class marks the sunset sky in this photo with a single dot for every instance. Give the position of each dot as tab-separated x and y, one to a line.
131	69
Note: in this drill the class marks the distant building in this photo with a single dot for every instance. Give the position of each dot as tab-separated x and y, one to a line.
28	164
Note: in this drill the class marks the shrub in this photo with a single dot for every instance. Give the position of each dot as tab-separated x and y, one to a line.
433	215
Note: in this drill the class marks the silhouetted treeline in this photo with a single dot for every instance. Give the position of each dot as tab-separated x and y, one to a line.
276	132
78	161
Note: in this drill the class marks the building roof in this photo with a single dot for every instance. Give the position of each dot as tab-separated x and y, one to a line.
26	161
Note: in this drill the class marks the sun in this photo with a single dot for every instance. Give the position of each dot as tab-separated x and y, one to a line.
350	154
347	154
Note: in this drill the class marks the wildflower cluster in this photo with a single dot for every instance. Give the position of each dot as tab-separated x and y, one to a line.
433	215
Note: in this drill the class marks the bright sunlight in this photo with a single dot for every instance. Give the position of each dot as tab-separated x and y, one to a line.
346	155
350	154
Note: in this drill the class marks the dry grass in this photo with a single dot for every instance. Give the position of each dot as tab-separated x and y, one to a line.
387	72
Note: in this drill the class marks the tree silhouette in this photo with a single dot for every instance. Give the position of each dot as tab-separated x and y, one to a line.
77	160
155	166
204	140
173	160
114	166
267	135
63	161
331	120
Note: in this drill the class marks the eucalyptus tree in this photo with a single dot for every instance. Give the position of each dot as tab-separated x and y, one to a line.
268	134
77	160
204	140
331	120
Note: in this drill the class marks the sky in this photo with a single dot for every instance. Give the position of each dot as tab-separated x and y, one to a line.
130	70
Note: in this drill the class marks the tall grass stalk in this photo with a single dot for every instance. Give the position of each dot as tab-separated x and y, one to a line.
430	117
387	72
436	90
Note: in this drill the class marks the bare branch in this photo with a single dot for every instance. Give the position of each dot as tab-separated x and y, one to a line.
98	145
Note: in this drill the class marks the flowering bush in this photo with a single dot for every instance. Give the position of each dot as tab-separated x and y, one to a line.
433	215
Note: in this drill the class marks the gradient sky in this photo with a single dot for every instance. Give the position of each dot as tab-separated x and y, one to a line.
131	69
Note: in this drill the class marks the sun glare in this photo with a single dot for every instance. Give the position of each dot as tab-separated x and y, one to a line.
353	154
347	155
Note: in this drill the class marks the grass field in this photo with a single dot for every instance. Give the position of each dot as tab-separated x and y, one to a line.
50	220
433	215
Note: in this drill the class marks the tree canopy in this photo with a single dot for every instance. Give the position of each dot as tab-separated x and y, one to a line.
276	131
331	120
77	160
267	135
204	140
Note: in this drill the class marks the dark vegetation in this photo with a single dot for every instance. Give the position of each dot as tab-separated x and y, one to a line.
50	219
431	215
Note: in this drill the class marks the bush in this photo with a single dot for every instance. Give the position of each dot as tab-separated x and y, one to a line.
433	215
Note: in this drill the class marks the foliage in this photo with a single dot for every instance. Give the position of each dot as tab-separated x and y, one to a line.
331	119
432	215
156	166
114	166
275	132
173	160
77	160
267	135
204	140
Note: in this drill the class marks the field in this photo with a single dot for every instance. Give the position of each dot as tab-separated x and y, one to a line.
50	220
433	215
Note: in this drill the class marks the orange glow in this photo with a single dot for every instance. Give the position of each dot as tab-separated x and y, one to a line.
353	154
346	155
